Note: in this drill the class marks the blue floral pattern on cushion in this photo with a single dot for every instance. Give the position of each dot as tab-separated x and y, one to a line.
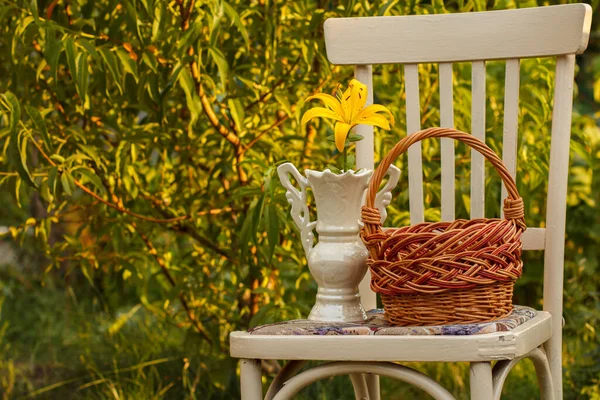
377	325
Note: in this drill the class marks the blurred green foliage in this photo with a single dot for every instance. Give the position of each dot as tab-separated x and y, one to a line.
139	141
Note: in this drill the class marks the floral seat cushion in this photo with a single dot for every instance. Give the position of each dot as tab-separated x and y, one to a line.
376	325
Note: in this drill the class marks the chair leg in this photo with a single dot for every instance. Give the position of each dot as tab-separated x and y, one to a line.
542	370
373	385
480	379
359	383
250	379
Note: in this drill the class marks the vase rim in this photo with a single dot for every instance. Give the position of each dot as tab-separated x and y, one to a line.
328	172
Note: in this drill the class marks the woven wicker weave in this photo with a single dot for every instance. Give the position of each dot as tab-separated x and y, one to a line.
460	271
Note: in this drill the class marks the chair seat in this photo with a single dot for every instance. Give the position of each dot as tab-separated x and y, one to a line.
375	340
375	324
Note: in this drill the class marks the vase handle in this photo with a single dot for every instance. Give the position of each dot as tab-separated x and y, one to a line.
384	196
297	198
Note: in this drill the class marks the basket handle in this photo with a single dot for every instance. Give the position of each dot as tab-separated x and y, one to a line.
513	204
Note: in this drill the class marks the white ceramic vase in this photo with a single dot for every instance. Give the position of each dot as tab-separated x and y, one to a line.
338	261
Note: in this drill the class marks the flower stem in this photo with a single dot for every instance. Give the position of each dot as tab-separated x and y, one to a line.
345	159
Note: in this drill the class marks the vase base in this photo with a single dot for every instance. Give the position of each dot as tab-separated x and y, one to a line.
333	305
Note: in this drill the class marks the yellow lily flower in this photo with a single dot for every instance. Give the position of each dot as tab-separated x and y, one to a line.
349	111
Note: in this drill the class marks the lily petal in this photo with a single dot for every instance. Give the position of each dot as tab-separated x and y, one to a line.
345	103
329	101
359	97
341	132
376	120
319	112
354	99
371	110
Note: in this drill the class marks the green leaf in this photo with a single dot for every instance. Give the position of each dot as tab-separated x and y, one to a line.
191	97
52	50
334	169
57	158
52	174
350	162
91	177
260	317
67	182
110	60
91	152
308	53
282	99
90	48
12	105
158	24
17	149
190	36
355	138
78	66
150	60
33	7
257	215
83	79
23	157
235	18
121	158
128	64
123	318
18	36
71	57
40	69
237	113
222	65
272	222
40	125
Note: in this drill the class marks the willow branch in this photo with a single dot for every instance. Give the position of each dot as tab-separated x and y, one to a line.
275	86
280	121
229	135
163	267
212	117
118	205
193	232
267	130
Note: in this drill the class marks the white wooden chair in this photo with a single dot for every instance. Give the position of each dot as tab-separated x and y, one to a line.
560	31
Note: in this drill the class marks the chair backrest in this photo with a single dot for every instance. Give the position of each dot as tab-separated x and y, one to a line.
560	31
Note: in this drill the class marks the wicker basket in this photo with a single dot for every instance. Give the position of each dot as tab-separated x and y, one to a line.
452	272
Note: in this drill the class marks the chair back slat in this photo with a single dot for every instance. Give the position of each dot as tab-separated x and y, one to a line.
365	148
511	119
556	210
489	35
413	124
478	107
365	158
534	239
447	145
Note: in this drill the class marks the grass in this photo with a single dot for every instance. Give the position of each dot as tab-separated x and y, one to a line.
68	341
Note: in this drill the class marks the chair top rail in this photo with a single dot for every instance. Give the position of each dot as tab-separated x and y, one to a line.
490	35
